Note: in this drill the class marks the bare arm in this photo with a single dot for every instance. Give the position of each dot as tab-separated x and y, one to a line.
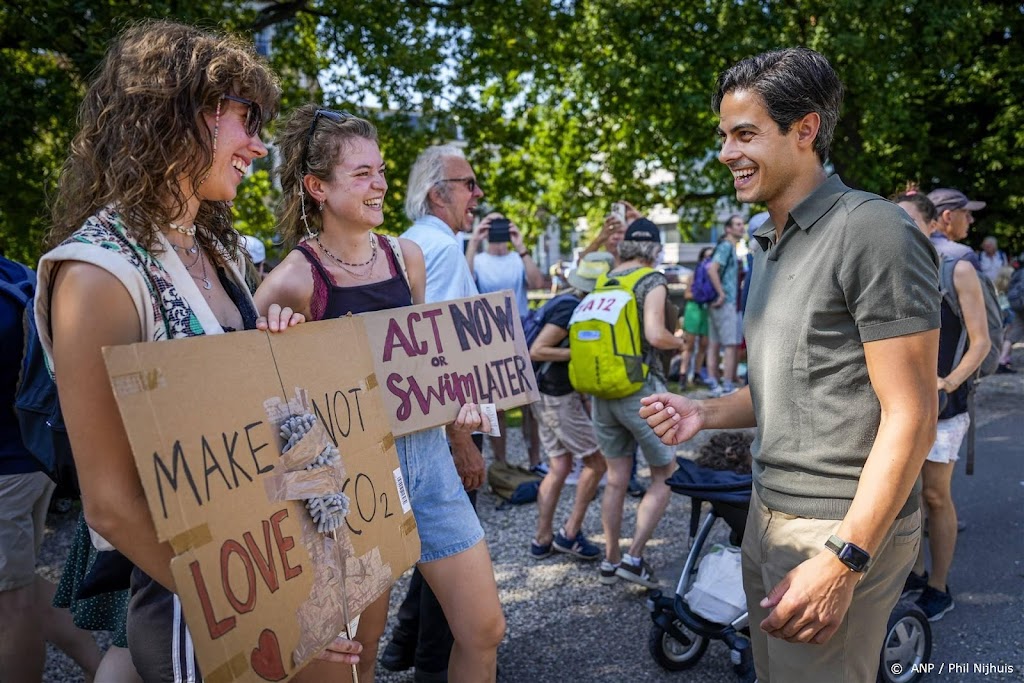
654	321
290	284
611	225
716	281
972	304
901	371
676	419
112	495
810	602
416	267
468	460
547	345
534	278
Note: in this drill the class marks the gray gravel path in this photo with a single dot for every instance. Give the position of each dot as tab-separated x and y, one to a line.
564	625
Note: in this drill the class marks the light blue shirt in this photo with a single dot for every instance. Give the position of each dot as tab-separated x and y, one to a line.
448	275
495	273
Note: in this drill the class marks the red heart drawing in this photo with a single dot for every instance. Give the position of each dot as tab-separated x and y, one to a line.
266	659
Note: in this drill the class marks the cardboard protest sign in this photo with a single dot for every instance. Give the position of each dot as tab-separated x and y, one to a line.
261	588
430	359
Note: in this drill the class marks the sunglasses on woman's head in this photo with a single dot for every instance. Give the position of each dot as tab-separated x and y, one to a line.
336	116
253	117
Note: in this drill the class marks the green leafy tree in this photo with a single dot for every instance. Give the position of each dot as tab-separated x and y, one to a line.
566	106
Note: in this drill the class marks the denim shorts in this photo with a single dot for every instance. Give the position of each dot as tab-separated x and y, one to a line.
446	520
949	434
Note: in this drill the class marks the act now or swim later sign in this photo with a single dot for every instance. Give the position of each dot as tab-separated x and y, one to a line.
263	592
432	358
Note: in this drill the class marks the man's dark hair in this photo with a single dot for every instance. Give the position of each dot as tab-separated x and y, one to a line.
730	219
792	83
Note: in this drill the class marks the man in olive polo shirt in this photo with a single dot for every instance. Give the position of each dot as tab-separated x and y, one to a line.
842	335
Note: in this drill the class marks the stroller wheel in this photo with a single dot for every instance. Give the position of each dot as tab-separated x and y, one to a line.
908	645
673	655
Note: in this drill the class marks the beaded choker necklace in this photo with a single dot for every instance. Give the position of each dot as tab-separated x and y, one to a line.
373	254
347	267
188	230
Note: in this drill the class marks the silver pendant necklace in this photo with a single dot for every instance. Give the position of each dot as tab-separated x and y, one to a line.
207	285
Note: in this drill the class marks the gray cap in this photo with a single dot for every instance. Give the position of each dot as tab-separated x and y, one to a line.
949	199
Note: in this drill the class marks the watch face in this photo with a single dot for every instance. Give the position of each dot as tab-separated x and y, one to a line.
853	557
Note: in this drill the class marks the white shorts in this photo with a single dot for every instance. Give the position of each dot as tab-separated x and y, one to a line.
949	434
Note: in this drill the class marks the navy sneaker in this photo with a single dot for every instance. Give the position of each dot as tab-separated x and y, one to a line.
935	603
539	551
915	584
579	547
635	488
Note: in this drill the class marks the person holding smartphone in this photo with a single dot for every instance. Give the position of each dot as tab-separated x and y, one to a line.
494	269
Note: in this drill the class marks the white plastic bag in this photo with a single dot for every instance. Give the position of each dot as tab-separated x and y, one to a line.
717	593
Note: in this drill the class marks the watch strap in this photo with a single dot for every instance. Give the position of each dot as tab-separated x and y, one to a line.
835	544
854	557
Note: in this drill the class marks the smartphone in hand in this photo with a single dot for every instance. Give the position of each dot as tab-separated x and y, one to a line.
498	231
619	209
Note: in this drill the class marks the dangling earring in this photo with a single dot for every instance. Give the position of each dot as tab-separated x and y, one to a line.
216	130
321	207
302	207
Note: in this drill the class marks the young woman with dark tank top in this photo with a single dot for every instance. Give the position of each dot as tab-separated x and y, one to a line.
333	182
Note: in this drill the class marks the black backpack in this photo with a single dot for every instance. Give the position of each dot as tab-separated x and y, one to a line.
36	403
993	315
534	321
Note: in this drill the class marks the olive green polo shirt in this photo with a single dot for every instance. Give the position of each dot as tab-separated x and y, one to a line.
849	268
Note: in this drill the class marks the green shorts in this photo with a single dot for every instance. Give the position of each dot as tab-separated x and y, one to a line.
695	319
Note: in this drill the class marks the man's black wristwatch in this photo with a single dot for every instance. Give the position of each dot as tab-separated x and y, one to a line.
854	557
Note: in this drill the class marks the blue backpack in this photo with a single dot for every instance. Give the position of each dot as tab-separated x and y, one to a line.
36	403
701	290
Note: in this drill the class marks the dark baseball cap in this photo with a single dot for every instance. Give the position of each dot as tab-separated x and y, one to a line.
948	199
642	230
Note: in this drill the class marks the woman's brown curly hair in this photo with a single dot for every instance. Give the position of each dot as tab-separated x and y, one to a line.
321	158
142	131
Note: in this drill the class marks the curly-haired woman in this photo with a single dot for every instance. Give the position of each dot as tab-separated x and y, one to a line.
333	186
144	250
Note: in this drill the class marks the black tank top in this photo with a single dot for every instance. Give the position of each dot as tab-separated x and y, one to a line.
375	296
949	336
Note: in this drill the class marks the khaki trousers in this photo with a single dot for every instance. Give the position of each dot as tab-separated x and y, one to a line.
774	543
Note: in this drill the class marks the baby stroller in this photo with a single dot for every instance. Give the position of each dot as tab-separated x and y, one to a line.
679	637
